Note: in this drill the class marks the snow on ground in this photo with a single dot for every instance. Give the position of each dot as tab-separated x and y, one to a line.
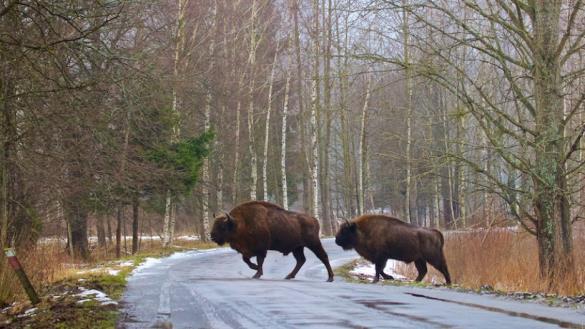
148	262
126	263
367	269
93	294
113	272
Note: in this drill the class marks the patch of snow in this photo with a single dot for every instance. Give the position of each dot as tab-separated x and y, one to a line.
29	312
189	237
369	270
94	294
126	263
148	262
113	272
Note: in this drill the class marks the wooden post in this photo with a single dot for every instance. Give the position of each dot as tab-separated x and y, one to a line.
15	264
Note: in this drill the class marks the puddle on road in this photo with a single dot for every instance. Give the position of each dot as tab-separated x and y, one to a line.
560	323
382	306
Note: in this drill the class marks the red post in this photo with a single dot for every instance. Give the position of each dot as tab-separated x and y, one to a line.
17	267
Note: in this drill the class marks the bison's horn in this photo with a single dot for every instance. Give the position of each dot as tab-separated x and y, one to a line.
228	216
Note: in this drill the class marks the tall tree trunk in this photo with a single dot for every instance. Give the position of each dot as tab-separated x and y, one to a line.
235	181
170	205
326	135
314	124
251	137
267	129
118	231
301	117
555	244
283	143
406	32
348	167
363	152
135	225
101	232
219	158
109	227
206	181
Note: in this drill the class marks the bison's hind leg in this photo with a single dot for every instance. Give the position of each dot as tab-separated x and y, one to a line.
260	258
421	267
250	264
318	250
441	264
300	257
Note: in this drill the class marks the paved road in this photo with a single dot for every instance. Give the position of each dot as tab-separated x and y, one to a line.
213	289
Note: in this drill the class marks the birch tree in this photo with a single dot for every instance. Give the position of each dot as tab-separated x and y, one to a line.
283	142
314	128
208	102
170	205
267	128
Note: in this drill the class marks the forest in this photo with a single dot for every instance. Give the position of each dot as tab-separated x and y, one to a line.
145	118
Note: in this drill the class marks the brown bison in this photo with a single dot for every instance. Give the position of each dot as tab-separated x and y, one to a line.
252	228
378	238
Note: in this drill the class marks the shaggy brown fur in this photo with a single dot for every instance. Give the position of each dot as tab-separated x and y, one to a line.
378	238
252	228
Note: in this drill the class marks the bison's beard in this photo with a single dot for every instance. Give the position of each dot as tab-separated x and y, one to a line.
218	240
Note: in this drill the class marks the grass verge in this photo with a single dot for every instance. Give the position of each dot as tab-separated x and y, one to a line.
68	302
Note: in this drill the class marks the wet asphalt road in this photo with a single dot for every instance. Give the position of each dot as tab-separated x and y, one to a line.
213	289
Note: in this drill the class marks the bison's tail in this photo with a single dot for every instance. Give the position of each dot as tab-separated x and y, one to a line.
440	237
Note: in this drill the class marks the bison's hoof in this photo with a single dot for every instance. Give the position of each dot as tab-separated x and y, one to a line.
253	266
257	276
330	279
375	280
288	277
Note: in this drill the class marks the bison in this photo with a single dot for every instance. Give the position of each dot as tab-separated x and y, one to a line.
252	228
378	238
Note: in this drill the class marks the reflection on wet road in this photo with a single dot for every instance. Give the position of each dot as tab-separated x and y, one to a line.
213	289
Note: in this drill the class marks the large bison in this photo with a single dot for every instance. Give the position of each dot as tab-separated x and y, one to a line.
252	228
378	238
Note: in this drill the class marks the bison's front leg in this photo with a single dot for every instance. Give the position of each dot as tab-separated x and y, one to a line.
382	266
421	267
250	264
379	270
260	258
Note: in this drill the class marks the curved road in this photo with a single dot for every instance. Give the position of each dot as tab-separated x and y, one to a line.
213	289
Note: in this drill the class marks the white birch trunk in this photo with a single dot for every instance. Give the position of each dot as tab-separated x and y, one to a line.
313	119
169	217
251	142
236	152
283	143
408	116
362	154
166	238
208	100
267	129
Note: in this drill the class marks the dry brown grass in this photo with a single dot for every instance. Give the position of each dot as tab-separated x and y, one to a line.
49	262
503	259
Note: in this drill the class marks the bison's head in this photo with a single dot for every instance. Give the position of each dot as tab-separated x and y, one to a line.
346	237
223	229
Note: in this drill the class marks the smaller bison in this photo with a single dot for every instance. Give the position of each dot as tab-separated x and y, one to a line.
378	238
252	228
